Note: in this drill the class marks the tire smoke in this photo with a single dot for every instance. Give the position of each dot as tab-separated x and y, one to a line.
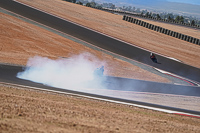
76	72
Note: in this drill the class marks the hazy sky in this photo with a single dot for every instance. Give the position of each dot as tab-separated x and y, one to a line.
196	2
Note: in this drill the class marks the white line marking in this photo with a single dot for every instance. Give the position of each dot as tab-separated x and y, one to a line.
173	59
165	72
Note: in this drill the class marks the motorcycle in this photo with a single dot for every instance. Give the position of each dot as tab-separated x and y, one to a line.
153	58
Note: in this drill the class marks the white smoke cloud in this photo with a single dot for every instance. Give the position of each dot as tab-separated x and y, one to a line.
76	72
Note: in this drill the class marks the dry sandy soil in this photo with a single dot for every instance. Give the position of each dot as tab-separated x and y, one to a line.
34	111
113	25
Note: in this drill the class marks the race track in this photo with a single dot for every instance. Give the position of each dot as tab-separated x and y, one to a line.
8	73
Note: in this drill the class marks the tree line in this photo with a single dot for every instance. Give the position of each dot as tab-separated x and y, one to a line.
168	16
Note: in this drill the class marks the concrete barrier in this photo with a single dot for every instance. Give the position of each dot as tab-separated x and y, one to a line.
147	25
194	40
197	41
124	17
131	20
188	38
134	21
171	33
165	32
144	24
174	34
177	34
152	27
191	39
129	13
182	37
155	27
158	28
185	38
162	30
168	32
139	22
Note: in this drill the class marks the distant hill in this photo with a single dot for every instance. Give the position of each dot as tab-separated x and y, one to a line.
144	2
131	2
161	5
183	7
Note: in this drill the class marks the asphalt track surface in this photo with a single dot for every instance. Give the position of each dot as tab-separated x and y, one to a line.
8	73
102	41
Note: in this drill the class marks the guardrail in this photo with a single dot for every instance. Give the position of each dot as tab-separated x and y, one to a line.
162	30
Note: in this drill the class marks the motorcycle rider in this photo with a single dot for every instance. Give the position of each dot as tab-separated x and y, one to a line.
153	57
99	71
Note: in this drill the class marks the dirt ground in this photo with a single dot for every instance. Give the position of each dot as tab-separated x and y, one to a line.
113	25
35	111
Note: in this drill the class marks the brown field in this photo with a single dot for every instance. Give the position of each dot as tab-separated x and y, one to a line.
34	111
24	110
